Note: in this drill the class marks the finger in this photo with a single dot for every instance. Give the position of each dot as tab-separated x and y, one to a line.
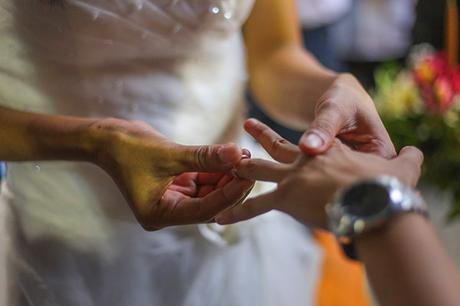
224	181
248	192
185	179
410	159
205	190
323	130
376	142
412	155
262	170
278	147
250	209
207	158
197	210
204	178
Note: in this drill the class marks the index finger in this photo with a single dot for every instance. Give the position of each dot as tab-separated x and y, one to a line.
262	170
197	210
278	147
249	209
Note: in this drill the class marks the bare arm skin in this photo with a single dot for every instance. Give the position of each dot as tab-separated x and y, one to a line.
27	136
164	183
407	264
295	90
282	72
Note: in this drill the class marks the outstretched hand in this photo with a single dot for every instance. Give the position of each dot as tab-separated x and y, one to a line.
166	183
307	184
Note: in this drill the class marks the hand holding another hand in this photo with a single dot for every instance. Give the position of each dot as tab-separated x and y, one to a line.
166	183
306	185
345	111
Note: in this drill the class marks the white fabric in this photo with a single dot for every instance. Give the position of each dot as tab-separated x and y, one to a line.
316	13
376	30
178	65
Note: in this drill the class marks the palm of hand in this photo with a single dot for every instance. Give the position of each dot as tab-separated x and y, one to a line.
168	184
187	198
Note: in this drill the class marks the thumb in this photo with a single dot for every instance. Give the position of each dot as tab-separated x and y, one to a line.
322	131
207	158
411	159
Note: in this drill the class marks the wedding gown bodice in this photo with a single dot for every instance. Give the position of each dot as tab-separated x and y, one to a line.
156	61
177	65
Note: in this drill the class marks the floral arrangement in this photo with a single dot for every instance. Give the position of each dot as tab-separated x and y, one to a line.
420	106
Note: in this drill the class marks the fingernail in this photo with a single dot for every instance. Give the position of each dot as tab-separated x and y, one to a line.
313	141
246	154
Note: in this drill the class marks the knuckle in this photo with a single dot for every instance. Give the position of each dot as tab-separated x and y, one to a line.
319	162
288	185
200	156
419	155
325	126
327	105
250	167
277	145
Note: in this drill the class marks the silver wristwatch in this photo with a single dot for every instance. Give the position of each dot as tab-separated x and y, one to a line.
369	204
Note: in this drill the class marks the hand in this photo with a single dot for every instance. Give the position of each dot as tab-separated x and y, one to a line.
348	113
306	185
165	183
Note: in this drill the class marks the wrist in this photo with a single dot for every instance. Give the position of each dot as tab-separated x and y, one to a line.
369	205
390	235
87	141
60	138
98	137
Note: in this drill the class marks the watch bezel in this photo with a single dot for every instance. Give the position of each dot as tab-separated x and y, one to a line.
346	225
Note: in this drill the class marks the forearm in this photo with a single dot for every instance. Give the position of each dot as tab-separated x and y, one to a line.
288	84
407	265
30	136
286	80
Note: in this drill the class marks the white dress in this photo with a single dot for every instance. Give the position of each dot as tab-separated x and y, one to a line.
179	66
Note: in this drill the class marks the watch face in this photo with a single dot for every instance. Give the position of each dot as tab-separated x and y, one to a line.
366	200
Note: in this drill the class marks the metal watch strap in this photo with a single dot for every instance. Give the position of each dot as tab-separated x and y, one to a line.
410	201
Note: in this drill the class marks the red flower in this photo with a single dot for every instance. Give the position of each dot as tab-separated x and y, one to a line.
438	82
429	68
443	93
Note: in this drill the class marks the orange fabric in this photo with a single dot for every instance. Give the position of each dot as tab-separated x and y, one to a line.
343	281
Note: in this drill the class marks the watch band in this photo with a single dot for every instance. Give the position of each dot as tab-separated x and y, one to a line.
349	250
